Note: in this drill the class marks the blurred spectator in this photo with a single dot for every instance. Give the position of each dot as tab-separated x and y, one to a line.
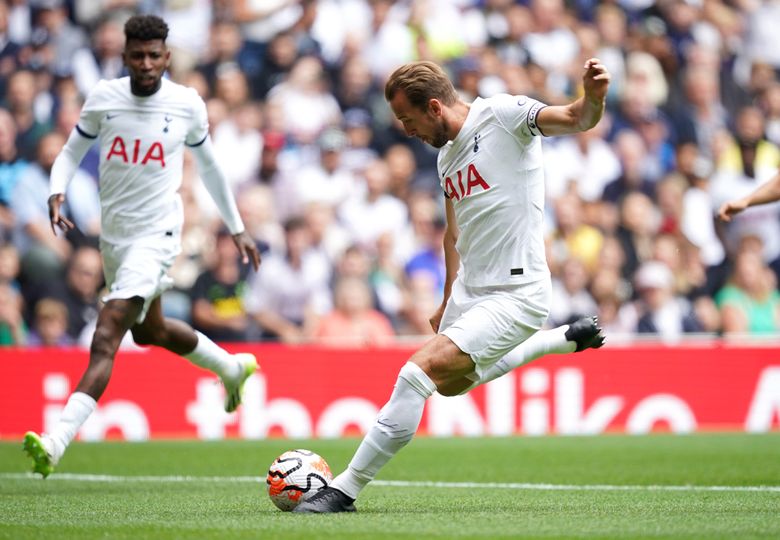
661	311
551	44
355	88
269	172
697	223
325	180
353	321
31	125
290	292
9	265
260	21
420	302
428	258
13	331
50	325
78	292
387	42
702	115
610	291
9	50
104	59
373	211
770	106
217	295
12	167
258	211
189	21
746	162
328	237
570	297
358	151
572	238
224	45
750	302
306	105
639	222
631	152
584	163
43	253
51	22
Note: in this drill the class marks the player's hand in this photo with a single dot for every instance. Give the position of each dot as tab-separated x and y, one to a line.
595	80
435	319
247	249
731	208
57	219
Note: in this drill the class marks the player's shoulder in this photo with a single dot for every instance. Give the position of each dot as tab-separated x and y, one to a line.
185	94
510	101
106	91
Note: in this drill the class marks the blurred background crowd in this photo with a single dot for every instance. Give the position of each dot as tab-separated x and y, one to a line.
349	211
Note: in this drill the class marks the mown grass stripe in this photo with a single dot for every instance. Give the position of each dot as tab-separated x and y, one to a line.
396	483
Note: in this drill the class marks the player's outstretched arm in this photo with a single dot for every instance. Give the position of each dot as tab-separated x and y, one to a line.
765	193
585	112
217	186
451	262
62	172
55	216
247	248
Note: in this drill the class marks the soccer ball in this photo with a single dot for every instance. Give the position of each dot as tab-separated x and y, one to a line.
296	476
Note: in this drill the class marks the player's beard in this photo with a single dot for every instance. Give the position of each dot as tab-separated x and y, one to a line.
439	137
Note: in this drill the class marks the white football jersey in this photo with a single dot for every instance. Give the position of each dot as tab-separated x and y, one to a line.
492	172
142	143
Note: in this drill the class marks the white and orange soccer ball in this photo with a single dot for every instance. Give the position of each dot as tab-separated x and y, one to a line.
295	476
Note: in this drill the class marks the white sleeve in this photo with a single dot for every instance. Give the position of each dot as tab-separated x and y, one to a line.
518	114
68	160
217	185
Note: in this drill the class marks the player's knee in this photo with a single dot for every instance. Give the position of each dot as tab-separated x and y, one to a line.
145	336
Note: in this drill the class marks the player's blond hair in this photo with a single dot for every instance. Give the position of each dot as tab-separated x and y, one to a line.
421	82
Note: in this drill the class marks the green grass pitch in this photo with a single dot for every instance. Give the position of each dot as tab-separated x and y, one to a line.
614	486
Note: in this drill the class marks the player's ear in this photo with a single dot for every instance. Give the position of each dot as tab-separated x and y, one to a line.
434	107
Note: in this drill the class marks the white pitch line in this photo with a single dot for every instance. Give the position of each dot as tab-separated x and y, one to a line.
392	483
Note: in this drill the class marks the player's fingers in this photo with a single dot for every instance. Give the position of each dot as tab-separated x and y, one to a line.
255	258
242	252
65	224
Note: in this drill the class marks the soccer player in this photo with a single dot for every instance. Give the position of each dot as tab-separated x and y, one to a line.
766	193
497	288
143	123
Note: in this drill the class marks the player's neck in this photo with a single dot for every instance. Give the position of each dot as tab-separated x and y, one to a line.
456	117
144	93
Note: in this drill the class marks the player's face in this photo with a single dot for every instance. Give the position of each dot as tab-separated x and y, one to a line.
427	125
146	63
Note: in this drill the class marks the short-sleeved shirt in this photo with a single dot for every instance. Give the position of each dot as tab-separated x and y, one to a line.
142	142
493	174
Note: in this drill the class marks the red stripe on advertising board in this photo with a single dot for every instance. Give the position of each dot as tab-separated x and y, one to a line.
324	392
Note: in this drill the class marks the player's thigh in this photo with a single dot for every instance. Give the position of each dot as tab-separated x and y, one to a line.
442	360
494	322
140	269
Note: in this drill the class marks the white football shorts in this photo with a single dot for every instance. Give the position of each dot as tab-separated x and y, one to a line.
140	267
488	322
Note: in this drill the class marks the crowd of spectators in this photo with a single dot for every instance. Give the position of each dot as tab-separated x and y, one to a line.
349	211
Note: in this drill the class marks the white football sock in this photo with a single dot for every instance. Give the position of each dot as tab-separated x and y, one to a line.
541	343
211	356
76	411
395	426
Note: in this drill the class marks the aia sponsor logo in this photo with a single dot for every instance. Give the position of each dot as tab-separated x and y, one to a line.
465	183
135	153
